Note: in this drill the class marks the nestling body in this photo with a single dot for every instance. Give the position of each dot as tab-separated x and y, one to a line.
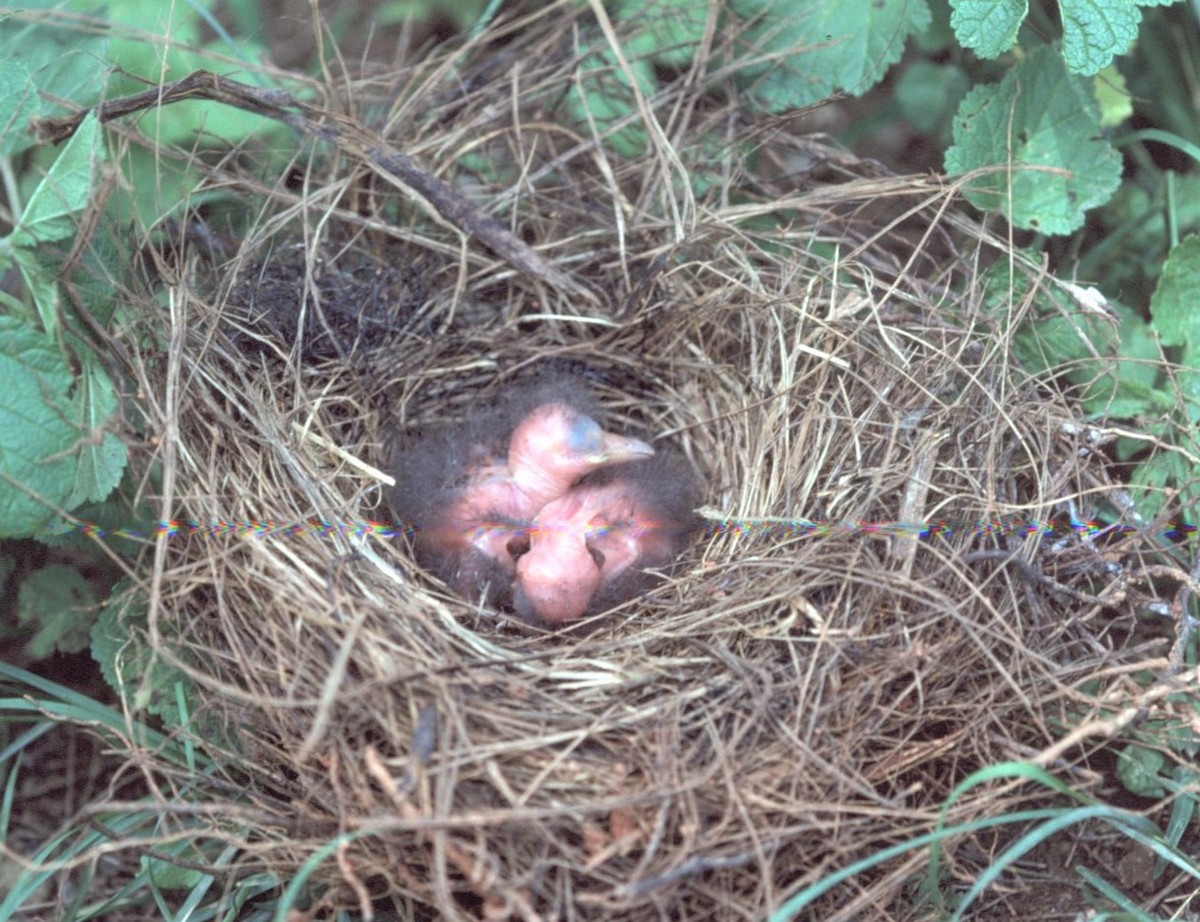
589	549
471	496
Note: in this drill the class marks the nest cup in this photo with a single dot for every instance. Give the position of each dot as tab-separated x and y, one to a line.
802	692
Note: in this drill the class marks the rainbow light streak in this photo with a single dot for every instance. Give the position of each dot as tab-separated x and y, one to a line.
171	528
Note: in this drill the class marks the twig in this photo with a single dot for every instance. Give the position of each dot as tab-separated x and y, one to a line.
697	865
352	138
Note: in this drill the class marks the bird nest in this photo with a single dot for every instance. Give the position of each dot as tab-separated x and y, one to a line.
857	625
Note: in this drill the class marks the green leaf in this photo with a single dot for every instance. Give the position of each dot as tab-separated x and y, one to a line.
1133	385
1038	116
938	37
671	29
1113	96
1100	346
102	455
602	96
928	94
1187	380
63	63
36	432
60	602
987	27
463	14
97	270
19	103
1157	479
115	648
166	45
172	192
1059	342
1173	304
815	49
39	278
1143	214
169	876
130	666
64	192
50	216
1140	769
1095	31
1183	807
1121	386
54	450
1176	320
124	530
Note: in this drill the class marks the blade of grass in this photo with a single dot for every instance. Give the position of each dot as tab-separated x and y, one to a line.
1183	145
1113	895
802	899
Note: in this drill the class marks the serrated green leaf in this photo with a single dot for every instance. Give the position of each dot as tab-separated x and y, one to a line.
36	433
1111	386
38	55
1133	385
110	636
1177	733
816	49
97	269
64	192
987	27
1106	351
1173	304
1058	342
1046	121
119	647
172	192
59	601
19	103
1187	381
102	455
1095	31
1114	397
54	450
42	285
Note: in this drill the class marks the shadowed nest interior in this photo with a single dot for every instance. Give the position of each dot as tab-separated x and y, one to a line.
819	342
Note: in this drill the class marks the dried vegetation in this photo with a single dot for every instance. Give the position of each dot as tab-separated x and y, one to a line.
811	332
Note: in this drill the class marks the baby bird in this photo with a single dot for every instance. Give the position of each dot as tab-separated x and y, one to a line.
588	550
471	496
